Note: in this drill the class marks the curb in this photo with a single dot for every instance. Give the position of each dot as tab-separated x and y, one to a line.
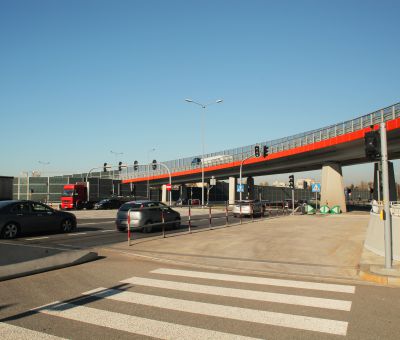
387	280
61	260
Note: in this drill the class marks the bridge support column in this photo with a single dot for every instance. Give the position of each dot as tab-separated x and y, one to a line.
250	188
164	193
332	187
232	190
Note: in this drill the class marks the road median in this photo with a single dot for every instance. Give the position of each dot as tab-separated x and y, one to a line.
51	259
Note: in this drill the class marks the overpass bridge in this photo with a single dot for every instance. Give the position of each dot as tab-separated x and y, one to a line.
327	148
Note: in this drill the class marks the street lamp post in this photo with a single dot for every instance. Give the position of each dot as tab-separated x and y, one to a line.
203	106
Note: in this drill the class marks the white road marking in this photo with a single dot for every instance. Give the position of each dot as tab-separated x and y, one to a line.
244	294
258	280
236	313
106	231
36	238
89	223
8	331
74	234
133	324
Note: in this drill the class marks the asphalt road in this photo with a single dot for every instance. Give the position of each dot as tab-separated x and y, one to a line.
97	232
125	297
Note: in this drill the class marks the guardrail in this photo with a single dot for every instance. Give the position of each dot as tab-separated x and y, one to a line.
277	145
210	217
378	207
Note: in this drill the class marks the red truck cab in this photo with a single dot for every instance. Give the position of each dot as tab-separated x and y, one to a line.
74	196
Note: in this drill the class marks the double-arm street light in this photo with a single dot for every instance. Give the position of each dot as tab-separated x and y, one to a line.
203	106
43	164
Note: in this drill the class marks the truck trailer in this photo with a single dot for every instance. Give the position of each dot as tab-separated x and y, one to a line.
84	195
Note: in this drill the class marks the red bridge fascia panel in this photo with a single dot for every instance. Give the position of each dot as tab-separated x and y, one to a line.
348	137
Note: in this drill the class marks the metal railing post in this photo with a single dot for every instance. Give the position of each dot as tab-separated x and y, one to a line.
209	218
226	213
163	222
189	220
129	227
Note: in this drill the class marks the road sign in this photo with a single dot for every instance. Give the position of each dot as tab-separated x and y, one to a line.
168	186
240	187
316	187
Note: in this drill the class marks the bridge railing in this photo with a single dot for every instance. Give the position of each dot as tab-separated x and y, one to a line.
277	145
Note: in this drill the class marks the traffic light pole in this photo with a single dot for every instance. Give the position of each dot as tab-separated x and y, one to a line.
169	174
292	201
240	175
386	198
135	164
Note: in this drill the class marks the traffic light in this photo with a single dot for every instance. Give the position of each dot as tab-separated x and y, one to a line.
291	181
154	166
105	167
372	145
265	151
119	166
257	151
135	165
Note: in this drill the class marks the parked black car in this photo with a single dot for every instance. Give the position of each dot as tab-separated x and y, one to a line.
23	217
109	203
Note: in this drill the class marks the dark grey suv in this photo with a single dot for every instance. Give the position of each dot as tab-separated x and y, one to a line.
146	216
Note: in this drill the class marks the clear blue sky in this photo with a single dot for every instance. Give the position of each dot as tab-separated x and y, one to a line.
81	78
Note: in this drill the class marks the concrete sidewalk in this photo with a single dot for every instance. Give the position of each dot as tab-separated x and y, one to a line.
317	245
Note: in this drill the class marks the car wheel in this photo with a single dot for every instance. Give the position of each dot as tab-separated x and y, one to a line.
67	225
10	230
148	228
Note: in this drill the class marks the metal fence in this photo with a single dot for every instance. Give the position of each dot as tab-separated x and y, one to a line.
277	145
49	189
194	219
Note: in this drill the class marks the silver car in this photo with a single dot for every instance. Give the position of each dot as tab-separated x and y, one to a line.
248	208
146	216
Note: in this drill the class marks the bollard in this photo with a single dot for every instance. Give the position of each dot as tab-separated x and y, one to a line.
226	213
209	218
163	222
189	221
129	227
252	212
240	212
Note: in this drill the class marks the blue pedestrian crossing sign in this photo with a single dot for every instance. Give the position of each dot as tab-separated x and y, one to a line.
240	188
316	187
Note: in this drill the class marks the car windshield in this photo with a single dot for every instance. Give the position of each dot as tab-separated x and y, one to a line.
128	206
104	201
68	193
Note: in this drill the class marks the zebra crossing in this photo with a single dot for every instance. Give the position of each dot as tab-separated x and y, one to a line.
160	290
